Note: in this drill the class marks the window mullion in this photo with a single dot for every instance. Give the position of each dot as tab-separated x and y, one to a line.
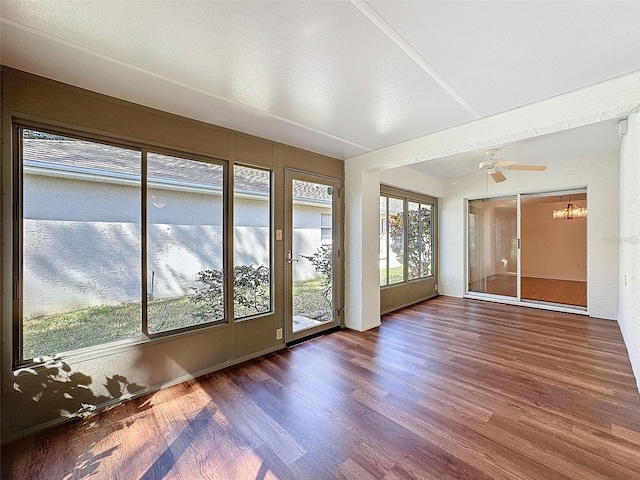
388	241
18	239
145	284
420	238
405	229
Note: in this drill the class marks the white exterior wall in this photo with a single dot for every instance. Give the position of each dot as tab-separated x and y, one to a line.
251	232
184	237
83	241
307	237
598	174
629	243
67	262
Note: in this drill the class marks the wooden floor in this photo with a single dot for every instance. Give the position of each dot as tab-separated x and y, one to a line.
506	285
565	292
449	388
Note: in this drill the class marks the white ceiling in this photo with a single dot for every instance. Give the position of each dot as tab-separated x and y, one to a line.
592	140
340	78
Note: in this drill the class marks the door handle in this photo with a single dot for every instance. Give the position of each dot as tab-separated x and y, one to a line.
290	258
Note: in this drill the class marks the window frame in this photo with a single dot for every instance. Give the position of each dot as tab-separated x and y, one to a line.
17	264
405	239
384	233
408	197
421	205
225	247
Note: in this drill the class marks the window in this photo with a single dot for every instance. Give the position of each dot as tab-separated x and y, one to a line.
252	241
325	228
82	243
419	263
396	235
185	284
406	244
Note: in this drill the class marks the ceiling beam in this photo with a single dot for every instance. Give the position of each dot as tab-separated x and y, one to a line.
608	100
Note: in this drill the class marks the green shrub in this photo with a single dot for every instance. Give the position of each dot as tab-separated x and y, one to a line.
209	298
322	261
251	292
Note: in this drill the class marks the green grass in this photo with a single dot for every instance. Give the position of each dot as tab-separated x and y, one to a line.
170	314
308	300
86	327
395	275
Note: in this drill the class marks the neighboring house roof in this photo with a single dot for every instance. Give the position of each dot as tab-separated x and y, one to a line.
89	159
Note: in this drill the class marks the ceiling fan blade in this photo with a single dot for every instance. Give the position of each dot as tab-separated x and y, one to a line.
498	177
464	178
531	168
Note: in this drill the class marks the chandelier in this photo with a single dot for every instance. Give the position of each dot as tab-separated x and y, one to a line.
569	212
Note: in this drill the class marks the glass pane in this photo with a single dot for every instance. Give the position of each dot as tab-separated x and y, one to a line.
312	264
252	241
414	238
81	244
326	228
383	241
396	240
493	249
185	280
554	248
426	242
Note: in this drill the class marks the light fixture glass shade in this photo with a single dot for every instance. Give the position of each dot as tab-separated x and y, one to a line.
570	212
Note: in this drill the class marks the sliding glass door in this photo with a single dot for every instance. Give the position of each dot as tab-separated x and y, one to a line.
554	248
529	248
493	246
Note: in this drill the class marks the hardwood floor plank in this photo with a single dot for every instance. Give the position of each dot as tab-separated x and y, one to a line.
363	425
567	292
445	389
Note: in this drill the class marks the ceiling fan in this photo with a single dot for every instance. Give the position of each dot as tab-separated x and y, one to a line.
494	167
